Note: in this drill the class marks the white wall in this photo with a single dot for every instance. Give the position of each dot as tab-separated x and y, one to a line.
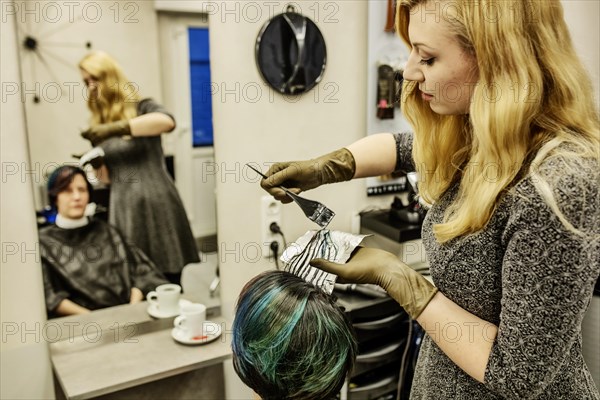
583	18
25	371
254	124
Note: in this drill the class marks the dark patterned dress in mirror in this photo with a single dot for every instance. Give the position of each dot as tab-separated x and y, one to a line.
144	203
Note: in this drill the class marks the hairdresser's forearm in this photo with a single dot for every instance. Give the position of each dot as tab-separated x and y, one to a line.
374	155
466	339
152	124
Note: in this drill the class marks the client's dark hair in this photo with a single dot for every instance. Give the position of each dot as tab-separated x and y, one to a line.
290	339
61	178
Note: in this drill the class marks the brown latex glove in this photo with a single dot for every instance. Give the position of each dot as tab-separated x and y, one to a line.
367	265
99	133
298	176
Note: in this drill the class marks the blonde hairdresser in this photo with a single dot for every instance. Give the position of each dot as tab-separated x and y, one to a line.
506	145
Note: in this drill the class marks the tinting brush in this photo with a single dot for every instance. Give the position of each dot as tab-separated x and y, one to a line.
315	211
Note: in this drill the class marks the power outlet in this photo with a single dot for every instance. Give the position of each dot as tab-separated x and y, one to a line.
270	212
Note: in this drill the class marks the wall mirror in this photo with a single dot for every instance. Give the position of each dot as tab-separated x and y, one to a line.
290	53
140	38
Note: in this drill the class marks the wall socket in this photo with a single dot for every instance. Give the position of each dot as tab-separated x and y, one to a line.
270	212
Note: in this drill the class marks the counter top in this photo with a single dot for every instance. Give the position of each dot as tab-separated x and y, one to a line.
120	347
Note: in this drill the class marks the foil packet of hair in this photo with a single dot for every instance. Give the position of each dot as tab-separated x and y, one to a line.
333	246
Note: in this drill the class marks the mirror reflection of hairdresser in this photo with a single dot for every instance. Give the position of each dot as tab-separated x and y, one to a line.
88	264
144	203
506	143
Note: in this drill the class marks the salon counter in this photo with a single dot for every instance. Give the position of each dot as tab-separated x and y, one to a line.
381	325
379	222
123	351
395	236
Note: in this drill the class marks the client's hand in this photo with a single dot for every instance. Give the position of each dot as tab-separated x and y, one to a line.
337	166
367	265
99	133
136	295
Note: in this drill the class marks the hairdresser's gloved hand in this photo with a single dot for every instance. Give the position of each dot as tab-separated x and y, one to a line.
99	133
367	265
298	176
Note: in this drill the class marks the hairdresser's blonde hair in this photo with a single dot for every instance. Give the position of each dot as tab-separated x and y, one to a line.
543	98
116	97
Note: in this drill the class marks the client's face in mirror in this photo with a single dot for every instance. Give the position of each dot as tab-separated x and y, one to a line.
72	201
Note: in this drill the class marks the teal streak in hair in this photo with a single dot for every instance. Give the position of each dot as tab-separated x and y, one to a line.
267	327
272	348
324	353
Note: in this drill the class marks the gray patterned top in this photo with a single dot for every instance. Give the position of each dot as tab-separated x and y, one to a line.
525	273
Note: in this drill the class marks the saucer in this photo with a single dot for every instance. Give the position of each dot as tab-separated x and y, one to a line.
213	331
156	313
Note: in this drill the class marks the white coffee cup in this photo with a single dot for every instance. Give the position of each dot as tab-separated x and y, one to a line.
192	319
165	298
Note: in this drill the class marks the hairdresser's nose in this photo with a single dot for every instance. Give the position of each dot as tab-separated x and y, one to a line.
412	70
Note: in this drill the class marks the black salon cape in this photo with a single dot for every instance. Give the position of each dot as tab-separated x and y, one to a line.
93	266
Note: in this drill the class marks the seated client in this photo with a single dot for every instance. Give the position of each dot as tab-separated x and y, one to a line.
87	264
290	339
